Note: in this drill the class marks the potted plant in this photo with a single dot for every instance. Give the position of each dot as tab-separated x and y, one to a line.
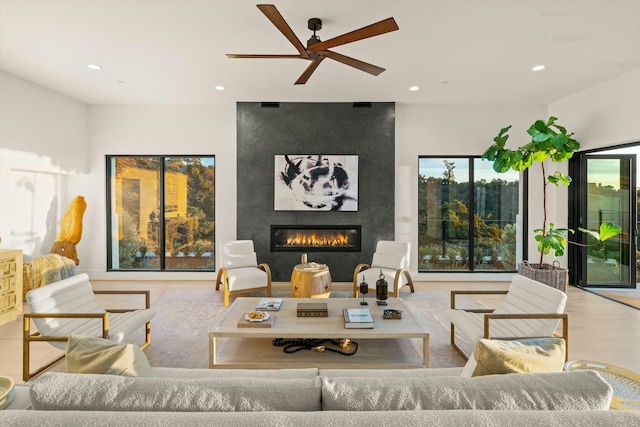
548	141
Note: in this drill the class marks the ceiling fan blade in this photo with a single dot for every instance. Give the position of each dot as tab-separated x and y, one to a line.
382	27
242	55
352	62
310	69
276	19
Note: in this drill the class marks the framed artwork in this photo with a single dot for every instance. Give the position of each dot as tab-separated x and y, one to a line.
316	182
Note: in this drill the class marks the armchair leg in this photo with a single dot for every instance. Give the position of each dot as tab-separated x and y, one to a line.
220	271
453	342
147	336
226	295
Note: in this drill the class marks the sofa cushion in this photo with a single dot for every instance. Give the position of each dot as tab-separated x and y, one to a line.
532	355
392	373
293	373
55	391
548	391
92	355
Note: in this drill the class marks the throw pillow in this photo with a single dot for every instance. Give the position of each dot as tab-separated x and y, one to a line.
531	355
92	355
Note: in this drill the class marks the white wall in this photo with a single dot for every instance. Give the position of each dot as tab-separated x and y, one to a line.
445	130
43	139
603	115
154	129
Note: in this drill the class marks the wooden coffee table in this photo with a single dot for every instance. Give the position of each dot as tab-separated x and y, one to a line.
388	345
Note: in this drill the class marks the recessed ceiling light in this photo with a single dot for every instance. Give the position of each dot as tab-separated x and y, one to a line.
538	68
220	87
414	88
94	66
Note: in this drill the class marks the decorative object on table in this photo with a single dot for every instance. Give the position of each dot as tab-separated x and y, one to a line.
625	383
312	309
364	289
7	391
381	290
316	182
256	319
314	266
304	259
269	304
392	314
357	318
70	230
344	346
548	141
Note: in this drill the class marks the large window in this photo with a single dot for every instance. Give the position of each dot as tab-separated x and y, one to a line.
467	215
161	213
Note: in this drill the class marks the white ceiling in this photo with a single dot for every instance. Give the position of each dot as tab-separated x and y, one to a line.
457	51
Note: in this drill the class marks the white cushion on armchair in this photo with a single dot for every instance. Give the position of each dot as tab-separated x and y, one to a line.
247	278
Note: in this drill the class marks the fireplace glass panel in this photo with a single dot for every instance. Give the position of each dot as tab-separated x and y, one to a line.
315	238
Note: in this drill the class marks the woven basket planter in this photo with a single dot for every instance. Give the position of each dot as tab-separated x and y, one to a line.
550	274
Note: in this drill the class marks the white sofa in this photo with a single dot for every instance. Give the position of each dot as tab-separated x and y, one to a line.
311	397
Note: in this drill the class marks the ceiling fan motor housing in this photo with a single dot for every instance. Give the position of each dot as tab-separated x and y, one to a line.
314	24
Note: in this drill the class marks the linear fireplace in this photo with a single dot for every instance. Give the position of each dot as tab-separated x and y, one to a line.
315	238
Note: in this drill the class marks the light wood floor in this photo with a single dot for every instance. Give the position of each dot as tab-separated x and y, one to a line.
599	329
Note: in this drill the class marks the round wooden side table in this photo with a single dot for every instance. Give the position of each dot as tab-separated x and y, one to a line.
311	282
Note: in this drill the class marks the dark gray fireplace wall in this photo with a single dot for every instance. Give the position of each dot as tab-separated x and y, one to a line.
363	129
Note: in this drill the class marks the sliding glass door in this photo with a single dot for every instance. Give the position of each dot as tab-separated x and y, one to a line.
607	192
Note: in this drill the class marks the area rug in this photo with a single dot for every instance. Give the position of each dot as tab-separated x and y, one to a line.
629	298
179	332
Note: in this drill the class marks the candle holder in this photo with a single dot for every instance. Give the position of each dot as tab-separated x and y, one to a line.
364	289
381	290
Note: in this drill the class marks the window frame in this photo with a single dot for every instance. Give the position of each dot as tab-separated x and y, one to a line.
522	205
162	227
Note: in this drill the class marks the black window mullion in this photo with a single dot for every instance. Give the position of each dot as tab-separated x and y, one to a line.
472	225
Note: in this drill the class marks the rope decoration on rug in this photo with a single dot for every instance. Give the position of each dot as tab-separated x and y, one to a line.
345	346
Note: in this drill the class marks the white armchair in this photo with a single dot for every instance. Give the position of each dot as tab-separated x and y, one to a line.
390	257
70	306
530	309
240	272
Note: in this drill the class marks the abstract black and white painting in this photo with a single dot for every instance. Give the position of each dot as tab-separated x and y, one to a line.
316	182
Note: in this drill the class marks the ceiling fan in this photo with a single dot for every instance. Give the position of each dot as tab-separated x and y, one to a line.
316	51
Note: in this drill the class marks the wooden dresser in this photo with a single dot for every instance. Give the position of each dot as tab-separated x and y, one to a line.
10	284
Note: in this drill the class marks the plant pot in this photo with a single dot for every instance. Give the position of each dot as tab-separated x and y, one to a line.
550	274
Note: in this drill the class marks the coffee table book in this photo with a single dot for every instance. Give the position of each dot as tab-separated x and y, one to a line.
357	318
269	304
312	309
244	323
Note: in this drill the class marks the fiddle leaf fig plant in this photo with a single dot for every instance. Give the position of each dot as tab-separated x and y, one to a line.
548	141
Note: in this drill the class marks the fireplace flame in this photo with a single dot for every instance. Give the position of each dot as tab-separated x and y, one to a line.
313	239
